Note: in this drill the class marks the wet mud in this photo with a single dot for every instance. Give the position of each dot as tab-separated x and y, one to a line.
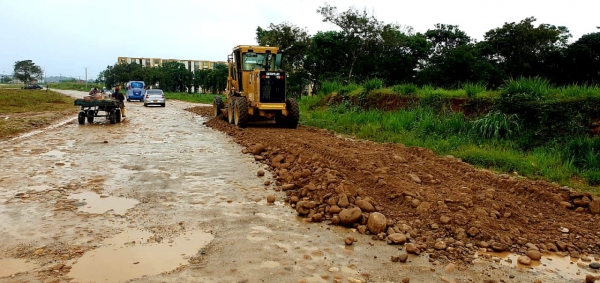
164	198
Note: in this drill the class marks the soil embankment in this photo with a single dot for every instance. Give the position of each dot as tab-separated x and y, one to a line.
437	204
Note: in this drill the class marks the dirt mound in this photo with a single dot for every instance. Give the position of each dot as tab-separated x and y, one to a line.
438	204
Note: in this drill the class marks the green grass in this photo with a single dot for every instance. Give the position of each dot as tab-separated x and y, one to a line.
24	110
21	101
193	97
74	86
11	85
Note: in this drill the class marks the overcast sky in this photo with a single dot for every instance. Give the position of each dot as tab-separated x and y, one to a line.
66	36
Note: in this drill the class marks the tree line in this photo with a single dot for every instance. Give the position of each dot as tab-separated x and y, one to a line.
445	56
170	76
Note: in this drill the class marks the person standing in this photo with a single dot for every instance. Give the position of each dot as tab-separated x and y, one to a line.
119	97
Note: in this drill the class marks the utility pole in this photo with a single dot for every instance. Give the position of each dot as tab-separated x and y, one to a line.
86	78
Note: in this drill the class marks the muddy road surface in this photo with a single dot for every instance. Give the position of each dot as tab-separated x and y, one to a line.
162	197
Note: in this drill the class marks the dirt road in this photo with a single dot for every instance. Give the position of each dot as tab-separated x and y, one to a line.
162	197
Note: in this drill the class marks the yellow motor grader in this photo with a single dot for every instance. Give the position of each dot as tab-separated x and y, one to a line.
256	88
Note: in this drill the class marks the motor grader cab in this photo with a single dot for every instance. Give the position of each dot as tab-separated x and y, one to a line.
256	88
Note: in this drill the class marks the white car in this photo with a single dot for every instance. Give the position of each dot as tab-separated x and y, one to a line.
154	96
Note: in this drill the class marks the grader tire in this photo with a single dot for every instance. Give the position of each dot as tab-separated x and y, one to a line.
294	113
231	110
217	106
241	112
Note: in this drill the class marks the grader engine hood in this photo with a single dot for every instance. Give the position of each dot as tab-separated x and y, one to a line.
271	86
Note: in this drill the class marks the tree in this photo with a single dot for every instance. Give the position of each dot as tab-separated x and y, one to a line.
326	57
399	54
582	60
293	42
5	79
361	32
27	71
521	49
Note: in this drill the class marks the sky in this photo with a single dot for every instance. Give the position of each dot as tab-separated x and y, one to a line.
66	37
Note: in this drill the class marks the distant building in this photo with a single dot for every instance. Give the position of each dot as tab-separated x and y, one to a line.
190	65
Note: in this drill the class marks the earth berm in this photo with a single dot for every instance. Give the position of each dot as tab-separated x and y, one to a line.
439	204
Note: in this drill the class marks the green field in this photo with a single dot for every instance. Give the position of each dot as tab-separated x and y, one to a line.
193	97
25	110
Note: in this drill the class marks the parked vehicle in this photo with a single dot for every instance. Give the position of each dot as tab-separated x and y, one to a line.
154	96
32	86
135	90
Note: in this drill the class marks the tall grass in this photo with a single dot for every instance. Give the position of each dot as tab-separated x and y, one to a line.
405	89
472	90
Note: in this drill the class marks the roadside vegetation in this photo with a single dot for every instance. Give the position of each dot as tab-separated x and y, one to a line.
526	127
192	97
25	110
75	86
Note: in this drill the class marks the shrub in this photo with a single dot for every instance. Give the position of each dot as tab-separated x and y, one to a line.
593	178
496	125
331	87
373	84
405	89
473	90
526	89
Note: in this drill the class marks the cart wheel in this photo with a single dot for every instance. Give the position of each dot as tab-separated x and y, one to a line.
81	118
118	115
90	116
112	117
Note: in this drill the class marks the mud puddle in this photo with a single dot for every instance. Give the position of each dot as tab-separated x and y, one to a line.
10	266
137	254
91	202
564	266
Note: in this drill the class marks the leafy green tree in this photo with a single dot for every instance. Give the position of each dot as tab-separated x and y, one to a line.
361	32
293	42
27	71
522	49
5	79
455	59
326	57
582	60
399	54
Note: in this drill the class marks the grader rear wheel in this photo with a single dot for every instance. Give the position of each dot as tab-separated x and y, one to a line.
241	112
293	113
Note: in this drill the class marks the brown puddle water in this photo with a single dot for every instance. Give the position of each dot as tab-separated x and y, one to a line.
566	267
128	255
99	204
10	266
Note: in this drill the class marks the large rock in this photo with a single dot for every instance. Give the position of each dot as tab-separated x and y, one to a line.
424	207
524	260
364	205
376	223
412	249
350	216
335	209
302	208
440	245
343	202
396	239
534	255
499	247
594	206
